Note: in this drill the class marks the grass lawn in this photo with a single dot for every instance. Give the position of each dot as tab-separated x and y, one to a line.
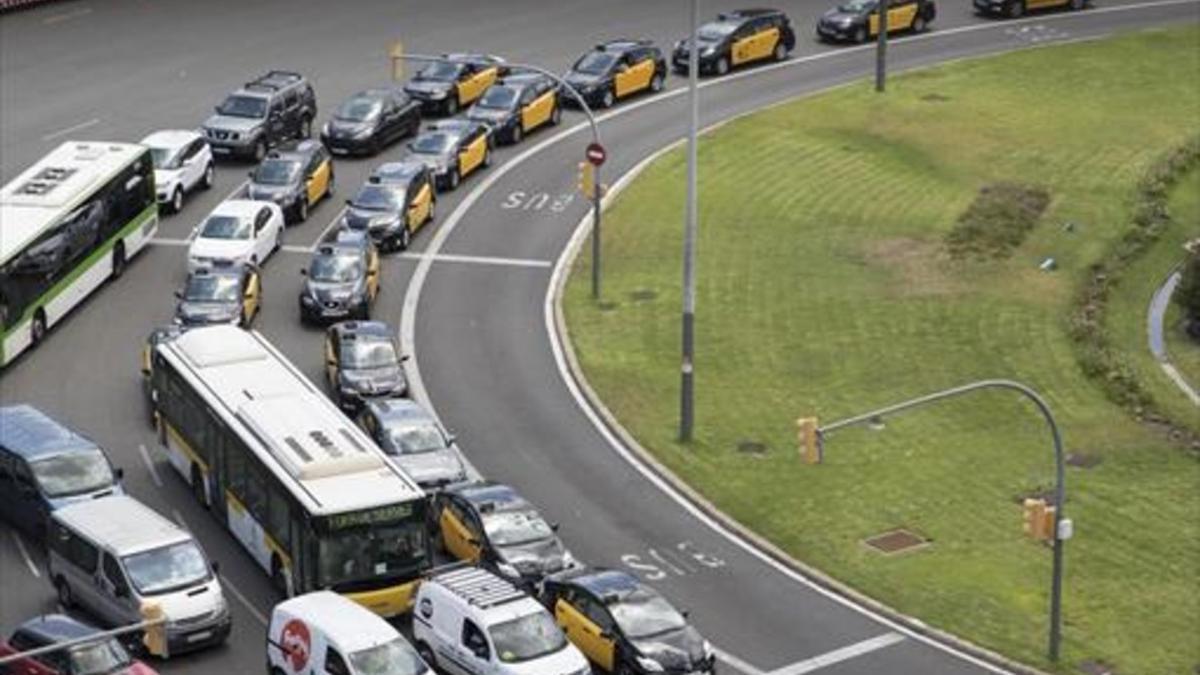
1185	212
825	288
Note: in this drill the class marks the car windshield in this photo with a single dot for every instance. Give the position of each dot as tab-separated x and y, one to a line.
211	289
378	198
167	568
390	658
527	637
715	32
166	158
510	528
335	268
595	63
72	473
369	353
98	658
370	553
432	143
225	227
359	109
244	106
413	439
857	6
498	98
643	614
441	72
277	172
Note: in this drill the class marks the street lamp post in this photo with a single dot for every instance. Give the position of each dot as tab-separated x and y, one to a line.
881	47
873	417
686	398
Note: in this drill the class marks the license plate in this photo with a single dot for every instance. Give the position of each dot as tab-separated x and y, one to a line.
197	637
339	151
220	150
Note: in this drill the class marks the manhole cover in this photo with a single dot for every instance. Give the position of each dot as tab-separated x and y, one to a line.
1096	668
1082	460
643	294
896	541
752	447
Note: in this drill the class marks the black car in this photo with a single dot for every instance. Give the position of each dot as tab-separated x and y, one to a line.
452	149
342	278
371	119
624	626
490	524
219	296
518	105
295	177
456	82
858	20
616	69
397	201
362	361
737	38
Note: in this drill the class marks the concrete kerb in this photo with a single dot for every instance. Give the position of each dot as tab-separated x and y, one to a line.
769	549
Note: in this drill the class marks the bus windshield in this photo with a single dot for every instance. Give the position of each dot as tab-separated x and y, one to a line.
349	557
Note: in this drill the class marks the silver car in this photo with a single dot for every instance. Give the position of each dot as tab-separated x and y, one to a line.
414	441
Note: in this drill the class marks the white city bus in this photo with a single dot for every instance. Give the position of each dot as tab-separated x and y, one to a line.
67	224
311	498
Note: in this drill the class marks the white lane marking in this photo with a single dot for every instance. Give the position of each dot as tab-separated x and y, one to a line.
477	259
150	465
412	298
71	129
167	241
233	590
67	16
294	248
838	655
736	662
25	555
337	218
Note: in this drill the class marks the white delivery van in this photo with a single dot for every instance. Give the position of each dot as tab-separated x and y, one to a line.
469	621
323	633
114	554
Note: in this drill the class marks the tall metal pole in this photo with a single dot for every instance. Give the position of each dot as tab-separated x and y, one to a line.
881	48
1060	487
596	232
686	397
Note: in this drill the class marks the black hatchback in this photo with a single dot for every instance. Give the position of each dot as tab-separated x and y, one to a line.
370	120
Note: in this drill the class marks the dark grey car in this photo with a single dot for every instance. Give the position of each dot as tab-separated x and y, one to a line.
266	111
414	440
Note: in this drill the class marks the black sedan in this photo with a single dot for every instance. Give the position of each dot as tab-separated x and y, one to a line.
616	69
517	106
736	38
370	120
624	626
219	296
395	203
362	361
858	20
342	279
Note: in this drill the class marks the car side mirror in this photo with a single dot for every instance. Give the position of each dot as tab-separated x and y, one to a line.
178	295
405	357
473	541
607	634
303	271
686	613
119	474
216	567
451	439
217	109
554	527
481	652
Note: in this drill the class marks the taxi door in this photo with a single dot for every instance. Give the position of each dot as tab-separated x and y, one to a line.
742	49
419	205
472	154
318	177
331	360
474	85
766	36
250	297
585	634
456	536
900	16
537	111
372	273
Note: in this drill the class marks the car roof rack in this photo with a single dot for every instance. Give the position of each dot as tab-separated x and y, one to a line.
478	586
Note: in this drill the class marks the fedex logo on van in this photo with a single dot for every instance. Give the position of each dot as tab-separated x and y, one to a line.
297	644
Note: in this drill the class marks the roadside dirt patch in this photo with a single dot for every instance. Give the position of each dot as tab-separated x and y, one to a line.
915	267
997	220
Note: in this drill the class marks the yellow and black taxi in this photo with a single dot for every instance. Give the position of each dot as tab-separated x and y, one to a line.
616	69
858	20
362	361
371	119
517	105
456	82
396	201
342	278
295	178
452	149
736	38
219	296
1015	9
491	525
624	626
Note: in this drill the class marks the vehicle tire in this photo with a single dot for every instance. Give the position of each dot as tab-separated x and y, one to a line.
66	597
516	134
453	178
918	24
197	479
722	66
118	260
780	52
37	328
210	177
375	147
451	105
405	238
305	127
860	35
656	83
302	209
427	655
176	203
260	150
608	99
278	241
487	157
331	186
1015	9
556	115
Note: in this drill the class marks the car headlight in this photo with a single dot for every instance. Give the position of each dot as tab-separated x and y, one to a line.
307	300
437	95
325	130
708	51
708	650
234	136
649	665
845	22
508	570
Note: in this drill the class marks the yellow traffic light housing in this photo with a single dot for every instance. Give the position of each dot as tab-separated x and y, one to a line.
154	629
808	434
587	179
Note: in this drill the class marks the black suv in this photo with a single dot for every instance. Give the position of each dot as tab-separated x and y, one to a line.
274	108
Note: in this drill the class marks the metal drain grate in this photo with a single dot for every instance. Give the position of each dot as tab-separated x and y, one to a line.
896	541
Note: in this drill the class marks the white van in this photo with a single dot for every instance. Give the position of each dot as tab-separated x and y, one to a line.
323	633
113	554
469	621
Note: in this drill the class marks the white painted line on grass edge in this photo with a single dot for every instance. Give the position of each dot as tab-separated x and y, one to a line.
25	555
838	655
233	590
150	465
71	129
478	259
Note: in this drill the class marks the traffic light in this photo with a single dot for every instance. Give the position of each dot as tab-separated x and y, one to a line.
809	437
154	629
1039	519
587	179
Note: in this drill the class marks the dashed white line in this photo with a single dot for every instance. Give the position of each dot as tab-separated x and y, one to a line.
233	590
71	129
25	555
838	655
150	465
337	218
67	16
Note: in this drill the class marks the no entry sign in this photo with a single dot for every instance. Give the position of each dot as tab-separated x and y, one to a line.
596	154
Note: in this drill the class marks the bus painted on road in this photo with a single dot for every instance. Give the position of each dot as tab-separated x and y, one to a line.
67	224
308	494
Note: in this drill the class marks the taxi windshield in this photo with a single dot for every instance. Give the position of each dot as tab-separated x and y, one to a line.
211	289
498	98
167	568
433	143
277	172
359	109
643	614
390	658
715	32
528	637
378	198
440	72
595	63
857	6
225	227
416	438
510	528
72	473
335	268
369	353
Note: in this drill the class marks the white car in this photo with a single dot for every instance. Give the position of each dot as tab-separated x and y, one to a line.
237	232
183	161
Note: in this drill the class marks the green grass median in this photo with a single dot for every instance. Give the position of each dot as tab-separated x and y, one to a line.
827	287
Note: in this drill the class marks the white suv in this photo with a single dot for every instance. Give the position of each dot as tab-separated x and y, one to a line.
183	161
469	621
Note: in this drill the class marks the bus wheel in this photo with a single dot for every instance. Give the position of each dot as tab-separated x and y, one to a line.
198	486
118	260
37	328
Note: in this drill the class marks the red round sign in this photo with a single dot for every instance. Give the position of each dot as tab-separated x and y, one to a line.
297	643
596	154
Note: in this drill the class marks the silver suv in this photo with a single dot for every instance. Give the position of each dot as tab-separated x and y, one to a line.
274	108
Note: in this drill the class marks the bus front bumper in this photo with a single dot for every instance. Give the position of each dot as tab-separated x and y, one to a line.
388	602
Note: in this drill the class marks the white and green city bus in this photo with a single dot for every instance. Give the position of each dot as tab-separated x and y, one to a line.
67	224
309	495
